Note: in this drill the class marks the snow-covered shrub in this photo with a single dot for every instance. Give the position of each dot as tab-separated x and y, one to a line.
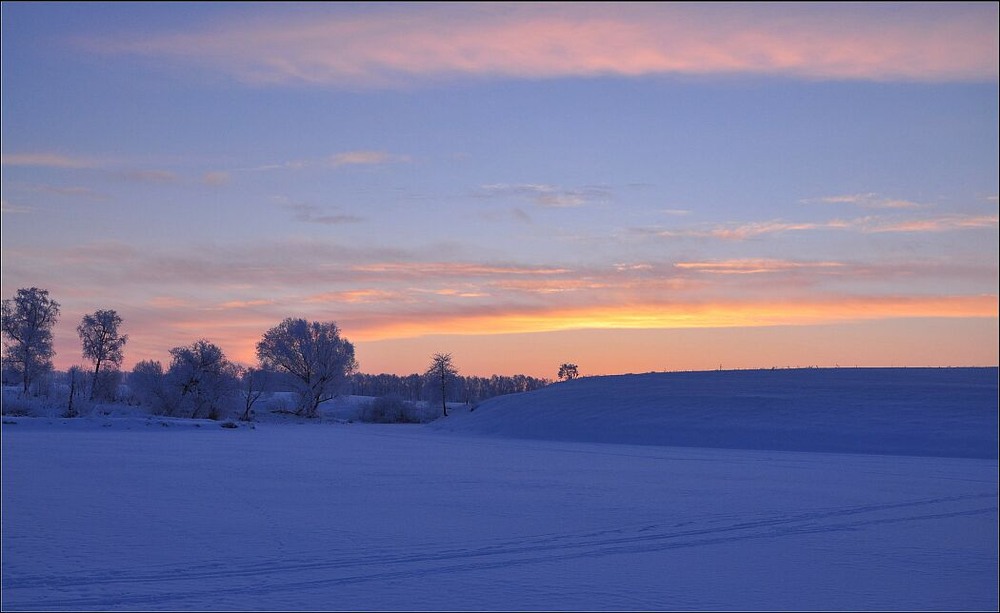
147	386
105	384
391	410
55	403
16	403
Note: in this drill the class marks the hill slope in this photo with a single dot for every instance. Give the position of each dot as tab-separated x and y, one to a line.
948	412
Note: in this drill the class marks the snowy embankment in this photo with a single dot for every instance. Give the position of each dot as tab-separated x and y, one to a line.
154	514
948	412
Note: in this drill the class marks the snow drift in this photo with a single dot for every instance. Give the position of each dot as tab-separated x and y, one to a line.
943	412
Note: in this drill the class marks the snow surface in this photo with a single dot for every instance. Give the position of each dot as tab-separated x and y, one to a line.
514	506
949	412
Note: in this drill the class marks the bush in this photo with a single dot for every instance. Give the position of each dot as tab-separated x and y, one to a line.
16	404
147	386
55	404
105	384
391	410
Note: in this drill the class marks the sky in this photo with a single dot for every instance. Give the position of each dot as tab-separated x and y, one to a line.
627	187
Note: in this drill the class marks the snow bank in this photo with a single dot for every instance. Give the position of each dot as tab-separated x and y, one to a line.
944	412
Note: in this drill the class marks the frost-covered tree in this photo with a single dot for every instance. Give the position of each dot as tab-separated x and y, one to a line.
315	356
103	345
201	379
441	375
568	371
27	321
146	382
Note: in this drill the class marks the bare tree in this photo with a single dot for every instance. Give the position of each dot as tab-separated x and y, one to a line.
319	361
75	374
441	376
102	343
568	371
28	319
254	382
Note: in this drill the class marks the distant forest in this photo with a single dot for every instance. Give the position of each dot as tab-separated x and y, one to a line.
410	387
463	389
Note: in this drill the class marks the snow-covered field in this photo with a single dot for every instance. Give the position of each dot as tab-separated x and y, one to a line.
604	493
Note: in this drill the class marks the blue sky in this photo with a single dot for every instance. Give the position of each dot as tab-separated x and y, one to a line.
625	186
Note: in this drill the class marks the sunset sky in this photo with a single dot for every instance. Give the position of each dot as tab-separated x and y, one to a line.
629	187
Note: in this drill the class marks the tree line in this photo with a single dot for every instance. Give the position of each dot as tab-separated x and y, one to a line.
311	359
467	389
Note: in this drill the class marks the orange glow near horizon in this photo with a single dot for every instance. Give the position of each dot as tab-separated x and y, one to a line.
237	331
655	316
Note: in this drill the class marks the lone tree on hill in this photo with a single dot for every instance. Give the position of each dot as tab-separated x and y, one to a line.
319	361
568	371
441	376
102	344
28	319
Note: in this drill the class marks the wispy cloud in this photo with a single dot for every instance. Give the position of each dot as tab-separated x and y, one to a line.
156	177
359	296
547	195
338	160
128	169
216	178
739	231
944	223
7	207
454	269
755	266
868	225
393	45
70	191
313	214
365	158
48	160
868	200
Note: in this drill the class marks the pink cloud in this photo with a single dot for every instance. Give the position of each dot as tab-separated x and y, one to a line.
151	176
450	269
6	207
937	224
547	195
394	45
755	266
365	158
869	224
216	178
744	231
337	160
48	160
868	200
